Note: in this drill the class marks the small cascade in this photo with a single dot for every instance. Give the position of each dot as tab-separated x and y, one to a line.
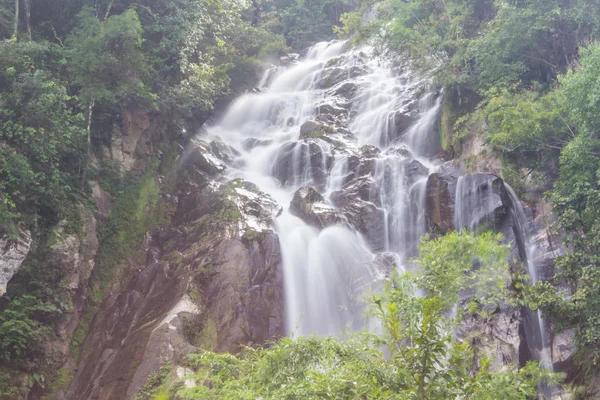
536	329
475	202
537	336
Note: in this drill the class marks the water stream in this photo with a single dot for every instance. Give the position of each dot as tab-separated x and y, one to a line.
363	133
358	97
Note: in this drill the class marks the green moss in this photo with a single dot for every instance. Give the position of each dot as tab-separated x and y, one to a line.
153	385
60	382
208	337
136	210
446	124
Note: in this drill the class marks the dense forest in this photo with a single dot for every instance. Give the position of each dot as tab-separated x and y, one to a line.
527	70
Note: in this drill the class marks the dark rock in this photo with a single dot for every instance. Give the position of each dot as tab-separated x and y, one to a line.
439	204
414	171
224	152
332	76
402	122
313	129
331	110
251	143
359	202
480	198
200	157
295	161
310	206
369	151
345	89
400	150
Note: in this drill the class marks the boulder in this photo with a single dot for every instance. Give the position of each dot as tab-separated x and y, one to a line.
479	198
199	156
302	162
224	152
251	143
439	203
402	121
313	129
309	205
414	171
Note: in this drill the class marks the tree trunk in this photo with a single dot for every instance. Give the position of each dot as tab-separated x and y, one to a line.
27	4
16	18
255	12
89	143
108	10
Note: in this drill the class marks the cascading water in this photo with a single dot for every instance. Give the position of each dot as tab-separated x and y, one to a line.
338	121
362	134
537	335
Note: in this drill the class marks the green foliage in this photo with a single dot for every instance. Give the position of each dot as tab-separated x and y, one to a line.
82	69
152	385
106	57
40	134
21	329
576	201
480	45
581	90
527	126
421	360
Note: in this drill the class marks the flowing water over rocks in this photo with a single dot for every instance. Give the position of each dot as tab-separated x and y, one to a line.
348	145
309	192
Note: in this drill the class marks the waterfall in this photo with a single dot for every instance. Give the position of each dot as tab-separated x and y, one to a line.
374	133
537	337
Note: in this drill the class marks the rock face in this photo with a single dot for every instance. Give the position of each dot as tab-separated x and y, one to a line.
211	279
12	255
309	205
439	203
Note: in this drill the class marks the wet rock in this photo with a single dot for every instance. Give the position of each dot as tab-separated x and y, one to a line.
224	152
358	189
330	109
302	162
313	129
13	252
387	263
200	157
289	59
402	122
309	205
414	171
251	143
480	198
400	150
439	203
332	76
358	203
346	90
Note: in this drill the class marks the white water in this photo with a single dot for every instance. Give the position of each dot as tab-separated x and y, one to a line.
538	339
328	272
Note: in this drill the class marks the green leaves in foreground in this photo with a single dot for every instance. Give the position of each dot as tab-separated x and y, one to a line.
414	356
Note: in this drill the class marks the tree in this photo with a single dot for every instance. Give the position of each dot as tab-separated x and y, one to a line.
107	63
422	362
